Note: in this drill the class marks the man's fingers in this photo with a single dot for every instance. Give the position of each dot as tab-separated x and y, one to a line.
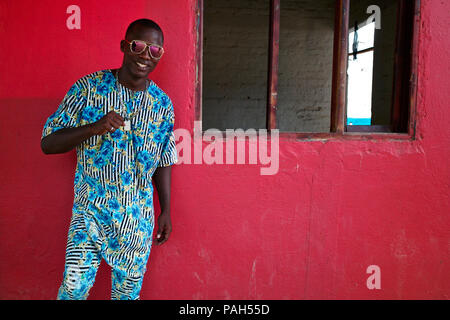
115	117
162	236
112	125
159	237
118	119
165	235
116	123
161	240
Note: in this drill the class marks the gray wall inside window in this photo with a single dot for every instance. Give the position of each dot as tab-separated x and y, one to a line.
235	62
235	58
306	65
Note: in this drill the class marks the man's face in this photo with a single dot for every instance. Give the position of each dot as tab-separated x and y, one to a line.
131	60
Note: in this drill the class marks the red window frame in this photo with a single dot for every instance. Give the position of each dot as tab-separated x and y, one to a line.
405	76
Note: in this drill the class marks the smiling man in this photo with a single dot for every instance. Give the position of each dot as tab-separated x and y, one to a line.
121	124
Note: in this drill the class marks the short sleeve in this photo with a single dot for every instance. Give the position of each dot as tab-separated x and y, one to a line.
68	113
169	151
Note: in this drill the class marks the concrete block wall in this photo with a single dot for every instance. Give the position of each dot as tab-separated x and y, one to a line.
235	59
306	65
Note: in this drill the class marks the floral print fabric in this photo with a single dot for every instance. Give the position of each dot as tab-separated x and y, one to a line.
113	190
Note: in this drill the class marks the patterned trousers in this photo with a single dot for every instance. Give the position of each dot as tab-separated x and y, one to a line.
82	262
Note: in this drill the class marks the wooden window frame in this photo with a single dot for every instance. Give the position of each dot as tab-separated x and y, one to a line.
405	81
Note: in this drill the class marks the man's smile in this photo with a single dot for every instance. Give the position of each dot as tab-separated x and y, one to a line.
142	65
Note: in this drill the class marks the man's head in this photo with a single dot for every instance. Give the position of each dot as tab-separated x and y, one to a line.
140	65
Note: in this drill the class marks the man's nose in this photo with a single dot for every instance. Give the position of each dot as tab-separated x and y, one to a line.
146	54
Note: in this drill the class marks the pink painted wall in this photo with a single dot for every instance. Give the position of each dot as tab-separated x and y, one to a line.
334	208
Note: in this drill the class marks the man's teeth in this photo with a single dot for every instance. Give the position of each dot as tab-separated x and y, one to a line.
141	65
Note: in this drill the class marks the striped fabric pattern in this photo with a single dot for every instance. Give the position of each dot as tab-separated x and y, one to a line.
82	262
113	190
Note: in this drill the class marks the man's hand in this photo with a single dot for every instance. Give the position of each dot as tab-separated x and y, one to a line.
164	228
108	123
66	139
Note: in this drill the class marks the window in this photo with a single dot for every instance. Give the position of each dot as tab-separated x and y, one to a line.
360	75
235	63
312	68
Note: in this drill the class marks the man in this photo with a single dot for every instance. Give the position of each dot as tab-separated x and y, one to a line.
121	124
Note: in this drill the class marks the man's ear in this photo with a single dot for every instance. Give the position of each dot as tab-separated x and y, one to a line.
122	45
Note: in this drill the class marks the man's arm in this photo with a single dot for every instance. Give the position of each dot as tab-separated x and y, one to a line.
162	177
66	139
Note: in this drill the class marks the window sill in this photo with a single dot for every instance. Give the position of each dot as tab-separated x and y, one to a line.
324	136
346	136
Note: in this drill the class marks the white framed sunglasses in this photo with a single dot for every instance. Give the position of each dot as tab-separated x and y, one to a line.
139	46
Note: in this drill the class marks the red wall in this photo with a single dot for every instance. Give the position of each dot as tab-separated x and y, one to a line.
334	208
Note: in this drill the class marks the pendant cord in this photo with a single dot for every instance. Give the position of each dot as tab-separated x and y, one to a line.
123	106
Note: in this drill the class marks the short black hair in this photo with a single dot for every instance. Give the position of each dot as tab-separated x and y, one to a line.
144	23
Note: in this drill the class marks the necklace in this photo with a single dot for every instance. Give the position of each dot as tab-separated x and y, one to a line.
123	110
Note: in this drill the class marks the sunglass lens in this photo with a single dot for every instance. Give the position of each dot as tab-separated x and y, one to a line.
156	51
137	46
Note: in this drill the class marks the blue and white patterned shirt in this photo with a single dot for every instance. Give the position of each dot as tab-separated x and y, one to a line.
113	179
